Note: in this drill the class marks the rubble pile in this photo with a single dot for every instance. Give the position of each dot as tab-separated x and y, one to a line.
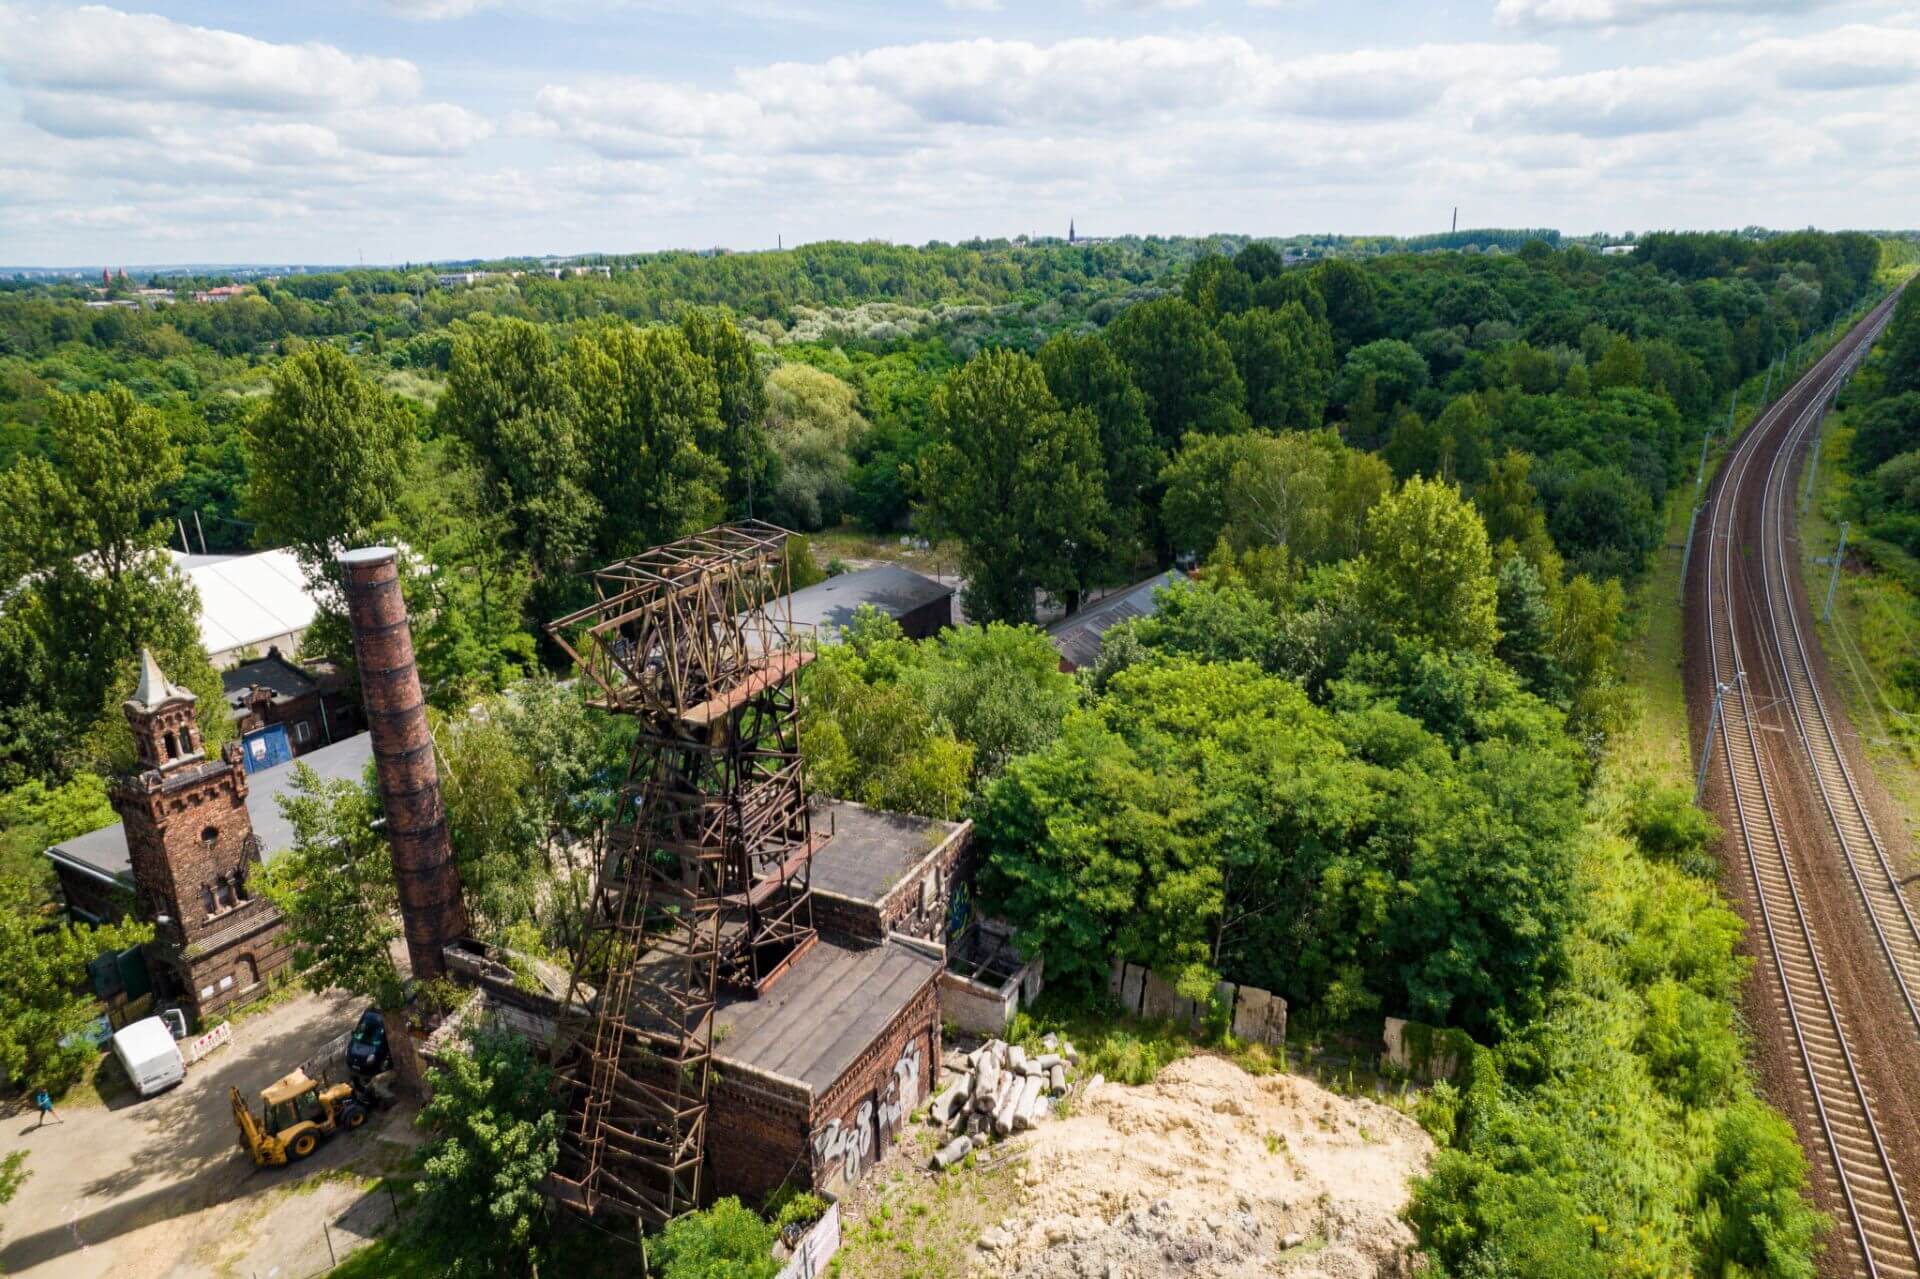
997	1090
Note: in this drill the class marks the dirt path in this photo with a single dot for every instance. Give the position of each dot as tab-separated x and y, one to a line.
138	1189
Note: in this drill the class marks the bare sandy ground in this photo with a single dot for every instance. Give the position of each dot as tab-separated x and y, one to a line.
1211	1172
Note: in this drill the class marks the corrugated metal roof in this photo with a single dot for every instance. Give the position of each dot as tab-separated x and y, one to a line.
249	599
1079	637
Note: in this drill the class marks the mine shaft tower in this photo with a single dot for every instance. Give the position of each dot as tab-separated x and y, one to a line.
703	883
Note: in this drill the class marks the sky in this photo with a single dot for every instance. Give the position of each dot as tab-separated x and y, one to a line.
414	130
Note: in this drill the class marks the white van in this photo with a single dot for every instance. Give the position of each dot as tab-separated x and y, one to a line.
149	1056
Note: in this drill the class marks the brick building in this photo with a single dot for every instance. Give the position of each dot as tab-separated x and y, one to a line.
194	830
884	873
313	706
817	1075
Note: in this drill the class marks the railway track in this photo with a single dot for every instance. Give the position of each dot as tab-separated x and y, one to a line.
1891	916
1876	1226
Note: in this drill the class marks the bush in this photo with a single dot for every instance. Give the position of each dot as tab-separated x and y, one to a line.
1668	827
726	1241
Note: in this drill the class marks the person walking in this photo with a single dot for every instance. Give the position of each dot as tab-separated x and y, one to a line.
44	1100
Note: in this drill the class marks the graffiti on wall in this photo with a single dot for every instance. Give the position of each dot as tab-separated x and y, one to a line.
844	1149
959	910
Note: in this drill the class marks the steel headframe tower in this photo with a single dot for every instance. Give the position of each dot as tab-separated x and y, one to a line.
704	880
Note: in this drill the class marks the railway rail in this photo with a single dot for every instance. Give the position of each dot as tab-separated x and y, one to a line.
1876	1227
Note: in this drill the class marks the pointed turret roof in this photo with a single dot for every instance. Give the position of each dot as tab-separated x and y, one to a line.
155	689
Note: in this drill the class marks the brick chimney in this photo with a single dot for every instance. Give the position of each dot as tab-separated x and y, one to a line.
431	912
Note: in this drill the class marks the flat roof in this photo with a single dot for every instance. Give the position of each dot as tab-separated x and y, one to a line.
823	1013
105	850
871	850
273	672
830	605
1079	638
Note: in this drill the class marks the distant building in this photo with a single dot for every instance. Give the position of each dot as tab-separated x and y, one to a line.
225	293
1617	250
921	605
1080	637
249	603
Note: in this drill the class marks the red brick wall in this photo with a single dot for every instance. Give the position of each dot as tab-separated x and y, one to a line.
244	965
902	910
176	866
862	1114
757	1137
905	910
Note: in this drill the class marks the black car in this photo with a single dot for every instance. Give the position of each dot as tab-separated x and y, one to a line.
367	1050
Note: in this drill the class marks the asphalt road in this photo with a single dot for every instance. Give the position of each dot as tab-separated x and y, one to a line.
144	1187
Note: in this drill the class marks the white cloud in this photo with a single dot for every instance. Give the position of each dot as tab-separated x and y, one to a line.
973	6
433	129
144	57
1139	6
1375	83
435	10
1679	96
1626	13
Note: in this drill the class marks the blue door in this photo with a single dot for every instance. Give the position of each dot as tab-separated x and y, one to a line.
265	748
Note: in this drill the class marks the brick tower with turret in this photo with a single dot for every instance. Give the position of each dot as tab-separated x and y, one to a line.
193	854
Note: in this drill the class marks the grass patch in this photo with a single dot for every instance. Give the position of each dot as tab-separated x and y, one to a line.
919	1225
1126	1049
103	1084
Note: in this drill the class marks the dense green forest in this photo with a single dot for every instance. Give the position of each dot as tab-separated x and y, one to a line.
1354	759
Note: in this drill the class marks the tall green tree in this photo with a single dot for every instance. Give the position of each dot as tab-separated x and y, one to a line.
1183	367
1017	482
493	1110
1285	359
335	888
738	437
83	532
328	456
1083	373
646	399
1428	573
508	401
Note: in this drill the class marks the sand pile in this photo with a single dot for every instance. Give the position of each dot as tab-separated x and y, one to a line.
1211	1172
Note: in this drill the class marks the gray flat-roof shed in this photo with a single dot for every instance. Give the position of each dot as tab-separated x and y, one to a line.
921	605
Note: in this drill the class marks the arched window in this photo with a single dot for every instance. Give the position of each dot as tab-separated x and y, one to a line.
223	891
167	746
206	898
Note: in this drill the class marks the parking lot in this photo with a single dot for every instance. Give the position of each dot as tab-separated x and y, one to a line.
161	1187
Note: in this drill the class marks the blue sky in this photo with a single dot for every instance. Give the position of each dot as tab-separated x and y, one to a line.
396	130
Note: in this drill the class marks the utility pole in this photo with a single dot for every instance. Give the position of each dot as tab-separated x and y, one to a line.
1706	751
197	528
1733	405
1767	390
1813	463
1686	556
1833	580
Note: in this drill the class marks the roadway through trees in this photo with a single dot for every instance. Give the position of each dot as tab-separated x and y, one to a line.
1834	999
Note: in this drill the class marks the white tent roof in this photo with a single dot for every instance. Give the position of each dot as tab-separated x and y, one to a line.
248	599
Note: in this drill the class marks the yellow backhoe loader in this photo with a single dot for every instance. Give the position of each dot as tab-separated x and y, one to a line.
296	1113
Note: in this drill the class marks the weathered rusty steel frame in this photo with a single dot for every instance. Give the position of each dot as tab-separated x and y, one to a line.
705	878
